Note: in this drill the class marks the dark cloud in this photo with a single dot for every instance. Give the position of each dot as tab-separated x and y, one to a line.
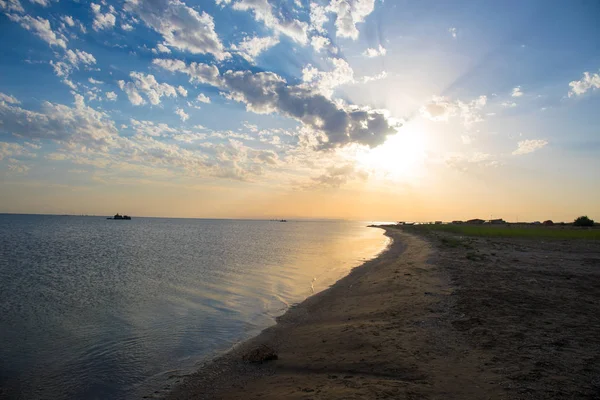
266	92
335	124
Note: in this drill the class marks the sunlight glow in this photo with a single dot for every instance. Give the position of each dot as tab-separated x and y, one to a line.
401	157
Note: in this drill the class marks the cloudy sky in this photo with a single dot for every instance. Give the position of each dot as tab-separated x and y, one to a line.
361	109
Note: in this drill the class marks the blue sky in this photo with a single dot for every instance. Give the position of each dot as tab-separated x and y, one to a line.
250	108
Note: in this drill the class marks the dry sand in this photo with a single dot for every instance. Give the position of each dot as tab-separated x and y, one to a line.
476	319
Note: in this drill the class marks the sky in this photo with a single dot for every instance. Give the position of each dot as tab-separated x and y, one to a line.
357	109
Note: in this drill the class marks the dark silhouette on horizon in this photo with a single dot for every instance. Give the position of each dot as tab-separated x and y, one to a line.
119	216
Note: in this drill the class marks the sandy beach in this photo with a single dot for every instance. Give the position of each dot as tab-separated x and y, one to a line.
436	316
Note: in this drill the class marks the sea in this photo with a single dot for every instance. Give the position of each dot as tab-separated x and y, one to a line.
92	308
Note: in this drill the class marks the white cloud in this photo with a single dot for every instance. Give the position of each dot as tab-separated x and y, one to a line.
238	161
321	42
79	57
102	21
181	26
184	117
69	83
476	159
203	98
198	72
588	82
72	60
127	27
134	96
94	81
250	48
41	28
189	137
182	91
263	11
19	168
11	5
76	127
43	3
516	92
529	146
111	96
161	48
381	75
325	82
251	127
349	13
13	150
68	20
508	104
441	109
380	51
438	109
453	32
336	176
318	17
89	137
8	99
147	85
141	152
79	101
92	95
150	128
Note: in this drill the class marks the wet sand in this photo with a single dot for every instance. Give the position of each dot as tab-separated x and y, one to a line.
431	318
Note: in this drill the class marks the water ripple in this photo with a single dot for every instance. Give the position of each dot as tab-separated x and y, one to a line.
93	309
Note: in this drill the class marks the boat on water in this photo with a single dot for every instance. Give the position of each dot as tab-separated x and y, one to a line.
119	216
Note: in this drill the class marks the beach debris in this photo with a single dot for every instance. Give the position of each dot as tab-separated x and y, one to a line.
260	354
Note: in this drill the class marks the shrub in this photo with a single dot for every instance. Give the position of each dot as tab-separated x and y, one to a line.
583	221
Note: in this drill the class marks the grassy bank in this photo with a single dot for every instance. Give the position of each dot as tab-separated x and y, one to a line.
550	232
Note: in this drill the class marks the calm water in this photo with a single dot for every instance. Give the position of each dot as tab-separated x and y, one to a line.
96	309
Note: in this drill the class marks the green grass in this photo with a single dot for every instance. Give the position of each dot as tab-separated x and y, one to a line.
454	243
553	232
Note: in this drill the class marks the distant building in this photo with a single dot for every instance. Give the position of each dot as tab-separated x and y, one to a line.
458	222
475	221
438	222
536	223
496	221
548	222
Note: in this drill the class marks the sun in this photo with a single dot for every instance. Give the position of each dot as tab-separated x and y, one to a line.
401	157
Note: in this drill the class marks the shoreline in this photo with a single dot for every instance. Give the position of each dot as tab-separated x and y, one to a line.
163	384
436	316
363	337
225	357
231	359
